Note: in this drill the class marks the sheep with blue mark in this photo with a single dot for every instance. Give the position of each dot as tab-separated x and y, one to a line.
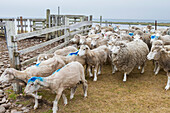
67	77
65	51
157	36
43	69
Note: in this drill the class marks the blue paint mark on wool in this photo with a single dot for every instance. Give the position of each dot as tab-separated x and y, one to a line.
131	34
32	79
74	53
153	37
37	65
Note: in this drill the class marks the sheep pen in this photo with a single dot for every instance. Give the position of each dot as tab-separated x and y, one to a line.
141	93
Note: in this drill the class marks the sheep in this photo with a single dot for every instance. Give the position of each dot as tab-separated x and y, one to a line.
42	57
165	39
67	77
75	39
45	68
145	37
161	55
83	39
96	42
127	56
138	32
94	58
92	31
154	50
65	51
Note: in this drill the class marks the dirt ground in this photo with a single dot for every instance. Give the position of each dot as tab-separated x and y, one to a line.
140	93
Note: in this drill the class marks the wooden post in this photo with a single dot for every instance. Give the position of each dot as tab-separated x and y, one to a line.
106	23
12	48
100	20
91	19
155	24
21	22
66	30
34	25
47	21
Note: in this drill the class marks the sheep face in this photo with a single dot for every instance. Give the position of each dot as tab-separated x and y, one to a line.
41	58
83	50
32	87
103	31
94	42
91	32
97	27
75	39
6	77
83	39
116	49
154	54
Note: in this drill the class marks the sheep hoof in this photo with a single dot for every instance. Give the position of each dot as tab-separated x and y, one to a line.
124	80
91	75
113	72
71	97
39	97
95	79
166	88
35	107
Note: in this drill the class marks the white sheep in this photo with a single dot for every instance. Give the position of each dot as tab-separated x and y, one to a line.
44	68
162	55
127	56
94	58
67	77
65	51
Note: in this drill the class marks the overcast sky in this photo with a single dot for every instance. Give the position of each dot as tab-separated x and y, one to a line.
113	9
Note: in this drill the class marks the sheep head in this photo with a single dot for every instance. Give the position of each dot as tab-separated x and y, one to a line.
33	84
7	76
154	53
83	50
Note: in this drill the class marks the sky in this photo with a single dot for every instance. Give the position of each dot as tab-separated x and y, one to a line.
109	9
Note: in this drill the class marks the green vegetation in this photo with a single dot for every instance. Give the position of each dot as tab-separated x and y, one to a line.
136	23
11	94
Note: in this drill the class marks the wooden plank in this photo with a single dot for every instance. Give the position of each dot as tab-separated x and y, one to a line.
78	25
80	31
22	25
38	33
31	60
33	48
39	27
39	20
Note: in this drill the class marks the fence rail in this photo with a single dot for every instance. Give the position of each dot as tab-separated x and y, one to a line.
12	39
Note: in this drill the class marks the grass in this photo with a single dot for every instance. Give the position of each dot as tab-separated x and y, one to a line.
11	94
140	93
136	23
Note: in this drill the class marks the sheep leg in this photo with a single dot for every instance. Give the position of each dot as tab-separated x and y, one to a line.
139	67
55	103
125	77
143	68
168	82
156	66
99	72
64	99
113	69
86	69
157	70
36	102
95	73
73	90
89	68
85	87
35	95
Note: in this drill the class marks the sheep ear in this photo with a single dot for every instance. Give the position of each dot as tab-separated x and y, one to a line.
123	45
87	36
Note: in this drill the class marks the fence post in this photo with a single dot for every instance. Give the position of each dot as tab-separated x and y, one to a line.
47	22
91	19
21	22
155	24
100	20
106	23
12	48
66	30
81	20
